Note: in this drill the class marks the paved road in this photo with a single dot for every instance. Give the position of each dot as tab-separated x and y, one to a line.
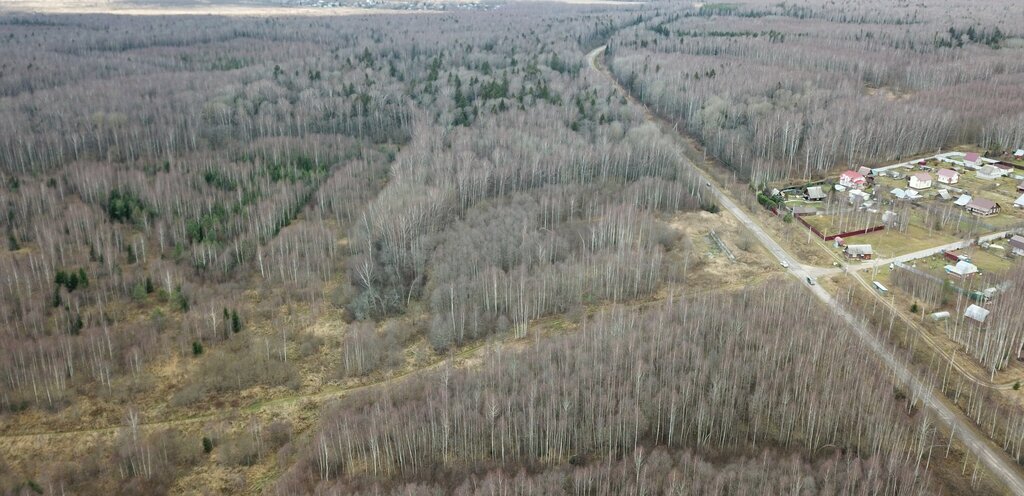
992	456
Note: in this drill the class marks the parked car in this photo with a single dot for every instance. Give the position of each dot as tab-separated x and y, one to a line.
810	280
785	264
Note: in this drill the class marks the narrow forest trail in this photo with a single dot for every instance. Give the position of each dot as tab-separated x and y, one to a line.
994	458
331	391
327	393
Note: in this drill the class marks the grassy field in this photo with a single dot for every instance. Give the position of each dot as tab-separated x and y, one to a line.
987	261
890	243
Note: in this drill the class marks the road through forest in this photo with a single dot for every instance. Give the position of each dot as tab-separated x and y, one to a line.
994	458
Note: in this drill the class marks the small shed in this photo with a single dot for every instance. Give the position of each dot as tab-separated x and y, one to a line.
815	193
944	194
962	269
953	256
857	195
860	252
939	315
976	313
1019	202
1017	245
963	201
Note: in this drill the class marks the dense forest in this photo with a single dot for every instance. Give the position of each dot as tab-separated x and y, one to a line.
449	251
714	375
785	90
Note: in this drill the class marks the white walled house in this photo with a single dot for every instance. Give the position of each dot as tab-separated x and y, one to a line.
948	176
921	180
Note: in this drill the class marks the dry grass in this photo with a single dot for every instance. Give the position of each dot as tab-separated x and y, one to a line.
889	243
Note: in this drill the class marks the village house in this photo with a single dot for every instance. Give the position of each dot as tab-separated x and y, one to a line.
1017	245
976	314
983	207
865	171
972	160
921	180
851	179
860	252
962	269
990	172
948	176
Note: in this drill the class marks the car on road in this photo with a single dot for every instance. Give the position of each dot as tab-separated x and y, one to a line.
785	264
810	280
707	183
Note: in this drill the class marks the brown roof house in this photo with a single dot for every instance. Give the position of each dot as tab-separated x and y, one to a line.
983	207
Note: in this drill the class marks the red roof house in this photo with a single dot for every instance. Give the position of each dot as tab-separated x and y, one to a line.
851	179
972	159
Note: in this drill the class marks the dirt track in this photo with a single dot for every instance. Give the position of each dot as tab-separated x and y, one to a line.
994	458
